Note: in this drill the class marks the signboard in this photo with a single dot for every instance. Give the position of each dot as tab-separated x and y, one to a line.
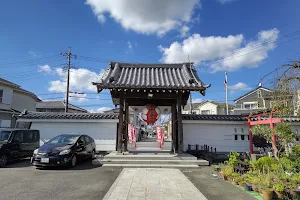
132	134
160	135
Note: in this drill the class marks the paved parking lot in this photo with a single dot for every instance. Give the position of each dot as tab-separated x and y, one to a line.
22	181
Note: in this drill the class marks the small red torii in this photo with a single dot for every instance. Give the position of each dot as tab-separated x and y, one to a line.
261	118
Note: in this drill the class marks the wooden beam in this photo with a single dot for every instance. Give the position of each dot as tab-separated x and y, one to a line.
120	127
179	123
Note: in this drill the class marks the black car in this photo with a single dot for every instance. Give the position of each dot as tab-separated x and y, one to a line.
64	150
16	144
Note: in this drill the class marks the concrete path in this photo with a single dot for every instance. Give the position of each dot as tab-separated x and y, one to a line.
156	184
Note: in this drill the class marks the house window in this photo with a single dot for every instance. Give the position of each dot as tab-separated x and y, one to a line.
235	137
205	112
1	95
242	137
235	130
242	130
250	105
194	113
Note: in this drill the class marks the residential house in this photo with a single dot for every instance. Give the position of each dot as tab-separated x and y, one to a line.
256	100
57	106
13	100
195	108
208	108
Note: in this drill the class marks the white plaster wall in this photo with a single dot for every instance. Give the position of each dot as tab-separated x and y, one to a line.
23	101
216	134
209	106
104	133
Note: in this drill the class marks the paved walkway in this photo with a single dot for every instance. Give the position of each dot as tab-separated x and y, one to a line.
156	184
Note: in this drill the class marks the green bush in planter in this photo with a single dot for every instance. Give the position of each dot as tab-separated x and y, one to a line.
279	187
227	170
288	164
267	163
233	159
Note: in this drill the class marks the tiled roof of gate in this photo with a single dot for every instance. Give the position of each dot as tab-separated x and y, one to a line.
52	115
156	76
214	117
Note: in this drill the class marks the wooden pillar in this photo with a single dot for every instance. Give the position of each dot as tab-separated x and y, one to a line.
121	124
126	126
174	128
273	135
250	138
179	123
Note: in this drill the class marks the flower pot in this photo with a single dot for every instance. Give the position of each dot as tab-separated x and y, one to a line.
280	195
242	184
295	194
255	188
267	194
224	177
247	187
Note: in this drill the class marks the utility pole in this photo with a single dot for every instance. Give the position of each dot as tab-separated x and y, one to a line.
69	55
226	89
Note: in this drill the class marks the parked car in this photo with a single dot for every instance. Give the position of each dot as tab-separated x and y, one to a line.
64	150
16	144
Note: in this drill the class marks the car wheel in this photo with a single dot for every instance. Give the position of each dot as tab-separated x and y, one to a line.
3	160
73	161
93	154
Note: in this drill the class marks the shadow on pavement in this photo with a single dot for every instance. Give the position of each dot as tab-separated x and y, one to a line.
19	163
83	165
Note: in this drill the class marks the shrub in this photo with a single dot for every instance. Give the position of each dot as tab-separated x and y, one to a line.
288	164
267	163
226	170
279	187
233	159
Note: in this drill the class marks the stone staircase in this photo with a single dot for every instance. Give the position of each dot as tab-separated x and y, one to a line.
149	159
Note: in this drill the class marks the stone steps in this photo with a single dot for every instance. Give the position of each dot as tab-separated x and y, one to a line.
150	166
154	160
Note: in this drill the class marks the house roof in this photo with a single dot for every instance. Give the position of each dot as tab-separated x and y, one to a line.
194	106
220	104
53	115
230	118
18	88
10	111
155	76
57	105
214	117
252	91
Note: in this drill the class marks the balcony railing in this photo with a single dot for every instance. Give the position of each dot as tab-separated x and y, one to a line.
248	107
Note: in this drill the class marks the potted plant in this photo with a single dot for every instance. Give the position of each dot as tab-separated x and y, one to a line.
279	190
234	176
293	189
226	171
266	188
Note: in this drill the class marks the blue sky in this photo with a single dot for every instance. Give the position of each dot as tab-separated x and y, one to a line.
246	38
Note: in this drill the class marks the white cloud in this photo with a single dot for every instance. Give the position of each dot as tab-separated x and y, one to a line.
78	97
184	31
222	53
197	100
45	68
80	80
100	110
239	87
225	1
129	44
32	53
144	16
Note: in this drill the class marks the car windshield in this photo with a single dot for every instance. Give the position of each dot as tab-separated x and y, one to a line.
4	135
63	139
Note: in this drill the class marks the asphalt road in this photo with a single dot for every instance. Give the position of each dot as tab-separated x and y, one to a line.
22	181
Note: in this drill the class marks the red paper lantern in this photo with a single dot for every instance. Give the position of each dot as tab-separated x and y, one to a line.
150	114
